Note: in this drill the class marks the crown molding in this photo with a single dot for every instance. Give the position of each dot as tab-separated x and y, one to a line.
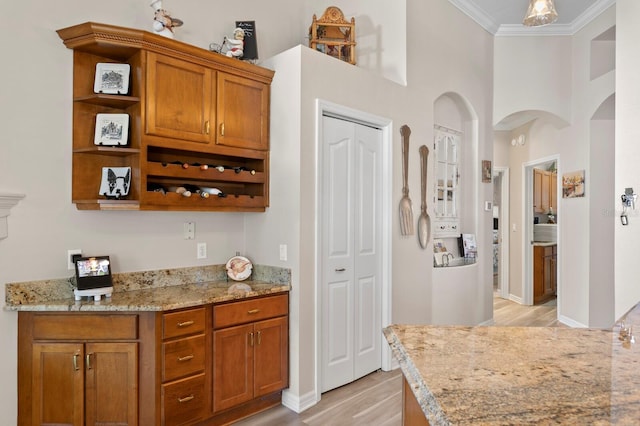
485	21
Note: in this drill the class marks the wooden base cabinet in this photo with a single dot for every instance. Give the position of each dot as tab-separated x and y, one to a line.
250	359
544	273
76	381
205	365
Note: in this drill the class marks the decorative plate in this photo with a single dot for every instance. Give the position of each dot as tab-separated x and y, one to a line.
112	78
116	182
239	268
111	129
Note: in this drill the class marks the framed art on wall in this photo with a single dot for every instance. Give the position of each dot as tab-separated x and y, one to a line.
573	184
486	171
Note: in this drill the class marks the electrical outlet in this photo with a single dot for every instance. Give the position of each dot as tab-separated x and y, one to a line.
202	250
70	254
189	230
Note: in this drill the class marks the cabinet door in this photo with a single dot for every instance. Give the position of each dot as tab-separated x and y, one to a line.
553	192
537	191
179	98
271	358
545	191
111	376
242	112
232	366
538	274
57	384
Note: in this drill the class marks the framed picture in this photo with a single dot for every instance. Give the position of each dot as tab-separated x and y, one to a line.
112	78
573	184
111	129
116	182
486	171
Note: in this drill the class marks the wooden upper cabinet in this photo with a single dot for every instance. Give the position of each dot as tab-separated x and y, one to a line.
196	119
242	113
179	99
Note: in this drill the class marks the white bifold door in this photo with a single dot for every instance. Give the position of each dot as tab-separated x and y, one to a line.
351	253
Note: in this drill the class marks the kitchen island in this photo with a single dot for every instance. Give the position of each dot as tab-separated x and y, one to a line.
517	375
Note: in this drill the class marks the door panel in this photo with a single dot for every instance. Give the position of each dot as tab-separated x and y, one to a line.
351	236
58	384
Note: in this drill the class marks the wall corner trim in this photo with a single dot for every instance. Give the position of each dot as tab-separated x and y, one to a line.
7	201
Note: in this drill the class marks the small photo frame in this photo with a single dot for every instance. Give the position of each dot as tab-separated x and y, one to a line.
486	171
112	78
573	184
111	129
116	182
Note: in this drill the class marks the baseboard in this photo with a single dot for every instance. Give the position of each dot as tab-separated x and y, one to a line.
299	403
571	323
516	299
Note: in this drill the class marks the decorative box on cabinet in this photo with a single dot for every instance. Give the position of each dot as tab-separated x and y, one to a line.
189	108
334	35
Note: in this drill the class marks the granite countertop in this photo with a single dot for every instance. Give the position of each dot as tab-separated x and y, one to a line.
544	243
520	375
160	290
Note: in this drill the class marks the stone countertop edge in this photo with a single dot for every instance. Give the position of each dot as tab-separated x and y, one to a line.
159	290
425	398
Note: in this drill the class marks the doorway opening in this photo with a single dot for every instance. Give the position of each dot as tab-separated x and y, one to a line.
501	232
541	231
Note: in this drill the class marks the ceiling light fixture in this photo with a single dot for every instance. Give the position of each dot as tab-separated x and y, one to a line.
540	12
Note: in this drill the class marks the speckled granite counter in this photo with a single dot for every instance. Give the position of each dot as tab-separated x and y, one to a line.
520	375
149	290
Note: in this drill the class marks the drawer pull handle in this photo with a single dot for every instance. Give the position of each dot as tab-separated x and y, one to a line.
222	129
186	399
207	127
259	337
340	269
75	361
185	358
253	311
88	361
185	323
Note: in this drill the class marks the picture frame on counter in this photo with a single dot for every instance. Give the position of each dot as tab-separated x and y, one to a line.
112	78
111	129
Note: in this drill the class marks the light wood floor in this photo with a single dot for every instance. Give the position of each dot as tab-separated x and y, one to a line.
376	399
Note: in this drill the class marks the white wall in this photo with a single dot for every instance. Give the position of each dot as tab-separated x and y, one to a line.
627	238
302	77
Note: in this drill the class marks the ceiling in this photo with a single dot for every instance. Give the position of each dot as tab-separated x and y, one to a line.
504	17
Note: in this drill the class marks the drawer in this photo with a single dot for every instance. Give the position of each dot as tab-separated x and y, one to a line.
85	326
183	323
184	401
183	357
250	310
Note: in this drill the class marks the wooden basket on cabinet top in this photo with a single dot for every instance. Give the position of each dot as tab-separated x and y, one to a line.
218	117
